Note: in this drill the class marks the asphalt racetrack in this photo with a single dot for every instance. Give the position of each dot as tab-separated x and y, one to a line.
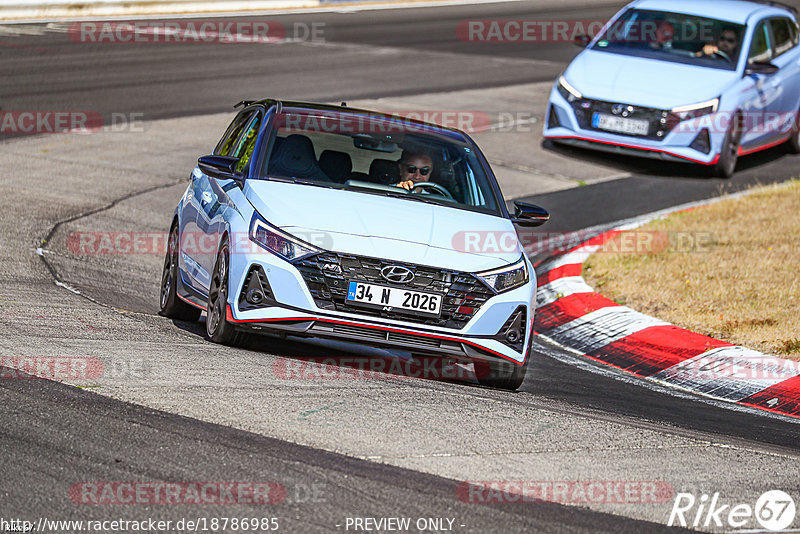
173	407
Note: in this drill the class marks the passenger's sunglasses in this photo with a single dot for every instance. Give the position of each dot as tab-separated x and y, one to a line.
423	171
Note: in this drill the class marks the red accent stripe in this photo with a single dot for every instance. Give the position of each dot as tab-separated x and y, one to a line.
787	393
712	162
763	147
655	348
572	269
187	301
230	318
569	308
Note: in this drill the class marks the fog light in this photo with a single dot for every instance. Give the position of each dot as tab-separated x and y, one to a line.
513	336
702	143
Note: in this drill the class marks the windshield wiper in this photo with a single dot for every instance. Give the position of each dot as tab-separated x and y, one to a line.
330	185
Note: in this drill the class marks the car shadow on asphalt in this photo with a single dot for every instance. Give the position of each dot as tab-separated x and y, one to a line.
317	359
642	166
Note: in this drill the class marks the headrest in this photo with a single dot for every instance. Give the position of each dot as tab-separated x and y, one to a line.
384	171
294	157
337	165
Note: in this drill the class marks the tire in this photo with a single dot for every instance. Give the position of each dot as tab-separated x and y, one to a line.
218	328
729	155
500	374
794	141
171	305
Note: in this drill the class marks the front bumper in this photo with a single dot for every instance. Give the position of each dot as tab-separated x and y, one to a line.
562	125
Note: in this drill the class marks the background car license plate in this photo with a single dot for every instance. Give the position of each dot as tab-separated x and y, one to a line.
398	299
620	124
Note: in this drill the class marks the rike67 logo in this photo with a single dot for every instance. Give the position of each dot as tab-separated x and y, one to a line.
774	511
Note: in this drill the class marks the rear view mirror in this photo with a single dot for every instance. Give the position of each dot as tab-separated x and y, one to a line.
582	40
378	144
529	214
221	167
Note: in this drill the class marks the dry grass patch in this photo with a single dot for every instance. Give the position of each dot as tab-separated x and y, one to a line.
730	270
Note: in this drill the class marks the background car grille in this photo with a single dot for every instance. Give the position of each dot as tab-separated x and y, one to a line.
661	121
328	274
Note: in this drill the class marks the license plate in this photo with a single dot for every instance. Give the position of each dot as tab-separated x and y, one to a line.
394	299
620	124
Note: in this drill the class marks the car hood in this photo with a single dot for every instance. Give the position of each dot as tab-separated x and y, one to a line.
384	227
645	82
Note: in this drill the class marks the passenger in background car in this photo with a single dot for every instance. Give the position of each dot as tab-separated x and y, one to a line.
413	168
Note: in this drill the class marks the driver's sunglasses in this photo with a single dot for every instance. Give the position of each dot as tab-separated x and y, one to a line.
731	40
423	171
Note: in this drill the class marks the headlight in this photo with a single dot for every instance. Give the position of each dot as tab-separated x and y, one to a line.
278	242
506	278
693	111
567	91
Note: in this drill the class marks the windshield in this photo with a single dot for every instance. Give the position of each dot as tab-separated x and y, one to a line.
674	37
378	155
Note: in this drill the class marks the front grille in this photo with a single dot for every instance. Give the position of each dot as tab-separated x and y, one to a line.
328	274
660	121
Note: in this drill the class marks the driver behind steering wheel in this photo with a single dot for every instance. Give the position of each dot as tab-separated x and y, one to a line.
414	167
726	45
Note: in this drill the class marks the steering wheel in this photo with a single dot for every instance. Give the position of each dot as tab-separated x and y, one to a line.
723	55
433	187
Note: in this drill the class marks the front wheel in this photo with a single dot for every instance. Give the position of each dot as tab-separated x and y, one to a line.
794	139
171	305
729	154
218	328
500	374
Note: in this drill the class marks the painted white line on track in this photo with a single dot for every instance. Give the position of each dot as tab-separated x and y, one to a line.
574	358
559	288
602	327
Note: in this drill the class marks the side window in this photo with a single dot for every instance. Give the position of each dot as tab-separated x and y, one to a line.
782	33
760	50
247	142
227	144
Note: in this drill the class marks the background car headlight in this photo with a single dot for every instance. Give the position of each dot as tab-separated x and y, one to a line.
506	278
278	242
696	110
567	91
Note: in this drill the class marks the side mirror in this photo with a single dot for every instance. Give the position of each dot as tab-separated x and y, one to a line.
582	40
529	214
758	67
222	167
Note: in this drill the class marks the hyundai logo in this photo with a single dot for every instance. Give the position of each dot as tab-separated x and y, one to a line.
331	268
622	109
397	274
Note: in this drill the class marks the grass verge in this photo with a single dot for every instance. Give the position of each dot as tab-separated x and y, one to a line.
730	270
